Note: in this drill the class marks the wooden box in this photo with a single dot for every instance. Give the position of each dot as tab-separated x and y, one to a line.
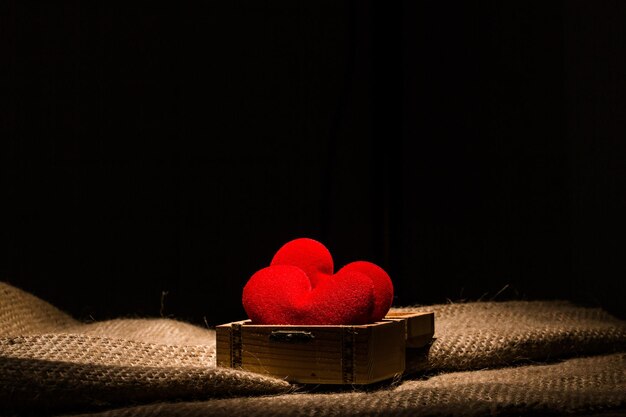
361	354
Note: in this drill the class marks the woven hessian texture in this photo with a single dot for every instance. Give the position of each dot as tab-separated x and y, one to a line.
578	385
490	334
551	358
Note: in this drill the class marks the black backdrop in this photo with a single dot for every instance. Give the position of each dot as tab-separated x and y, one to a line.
154	158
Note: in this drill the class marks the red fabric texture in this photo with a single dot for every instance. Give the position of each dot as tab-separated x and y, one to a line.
299	287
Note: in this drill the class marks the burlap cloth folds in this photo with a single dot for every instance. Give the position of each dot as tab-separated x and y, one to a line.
51	363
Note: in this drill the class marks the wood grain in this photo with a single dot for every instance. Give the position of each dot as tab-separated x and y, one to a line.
324	354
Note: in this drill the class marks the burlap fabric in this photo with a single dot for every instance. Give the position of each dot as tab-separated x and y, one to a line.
589	385
50	363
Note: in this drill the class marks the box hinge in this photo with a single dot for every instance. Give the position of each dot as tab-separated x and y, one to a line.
235	346
347	354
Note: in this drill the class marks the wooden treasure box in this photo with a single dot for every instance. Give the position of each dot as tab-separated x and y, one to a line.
359	354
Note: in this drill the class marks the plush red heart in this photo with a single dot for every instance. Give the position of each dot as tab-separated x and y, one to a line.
299	287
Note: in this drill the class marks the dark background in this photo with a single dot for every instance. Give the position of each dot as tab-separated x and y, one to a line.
153	159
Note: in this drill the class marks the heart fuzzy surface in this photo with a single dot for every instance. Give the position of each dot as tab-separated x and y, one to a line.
300	288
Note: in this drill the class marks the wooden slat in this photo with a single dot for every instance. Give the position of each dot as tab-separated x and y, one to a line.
420	327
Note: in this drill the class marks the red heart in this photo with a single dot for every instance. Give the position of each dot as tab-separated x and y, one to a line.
299	288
